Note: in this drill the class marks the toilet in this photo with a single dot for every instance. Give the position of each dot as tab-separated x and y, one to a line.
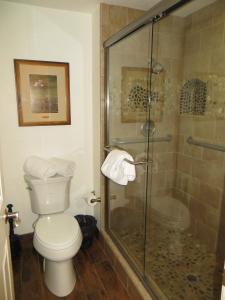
57	235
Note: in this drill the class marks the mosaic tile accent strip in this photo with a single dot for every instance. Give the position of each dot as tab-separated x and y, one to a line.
193	97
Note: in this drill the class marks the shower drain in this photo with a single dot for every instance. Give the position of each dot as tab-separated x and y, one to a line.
192	278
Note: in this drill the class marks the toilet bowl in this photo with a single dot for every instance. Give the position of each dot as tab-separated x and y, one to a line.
58	238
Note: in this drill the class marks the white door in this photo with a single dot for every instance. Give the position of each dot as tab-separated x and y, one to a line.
223	286
6	275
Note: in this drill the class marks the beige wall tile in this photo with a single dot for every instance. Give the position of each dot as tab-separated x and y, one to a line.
204	129
181	196
212	219
220	131
219	11
186	126
192	42
165	25
198	210
212	36
117	18
158	181
170	46
181	143
165	161
210	195
213	155
170	179
202	18
217	65
211	173
192	150
184	164
133	14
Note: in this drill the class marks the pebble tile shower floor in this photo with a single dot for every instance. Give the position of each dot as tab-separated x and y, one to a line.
184	269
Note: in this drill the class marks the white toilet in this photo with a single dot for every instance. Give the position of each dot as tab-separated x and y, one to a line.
57	235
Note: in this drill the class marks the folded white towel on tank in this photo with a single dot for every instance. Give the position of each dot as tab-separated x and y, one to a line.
39	167
63	167
117	169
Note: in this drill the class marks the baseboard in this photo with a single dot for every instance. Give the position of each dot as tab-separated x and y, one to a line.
129	279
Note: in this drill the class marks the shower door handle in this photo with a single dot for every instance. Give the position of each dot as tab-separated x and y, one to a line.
135	163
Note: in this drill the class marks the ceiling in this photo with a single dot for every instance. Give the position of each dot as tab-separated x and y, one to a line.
88	6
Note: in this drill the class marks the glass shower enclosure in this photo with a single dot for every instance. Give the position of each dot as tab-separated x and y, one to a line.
165	105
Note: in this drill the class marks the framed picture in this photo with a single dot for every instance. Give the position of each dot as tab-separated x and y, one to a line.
135	94
43	96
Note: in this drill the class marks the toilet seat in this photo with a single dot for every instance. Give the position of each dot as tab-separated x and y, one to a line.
58	231
57	237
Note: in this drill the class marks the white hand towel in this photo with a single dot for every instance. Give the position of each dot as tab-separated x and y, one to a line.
117	169
63	167
39	167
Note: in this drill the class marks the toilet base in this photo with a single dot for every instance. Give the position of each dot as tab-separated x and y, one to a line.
59	277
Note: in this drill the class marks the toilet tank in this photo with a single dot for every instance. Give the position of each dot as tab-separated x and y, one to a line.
48	196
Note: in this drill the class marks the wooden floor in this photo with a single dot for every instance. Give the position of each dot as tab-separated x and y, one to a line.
96	279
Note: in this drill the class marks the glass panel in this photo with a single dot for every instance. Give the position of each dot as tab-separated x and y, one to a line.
185	230
128	82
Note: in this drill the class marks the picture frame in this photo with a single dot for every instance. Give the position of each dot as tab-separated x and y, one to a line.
43	92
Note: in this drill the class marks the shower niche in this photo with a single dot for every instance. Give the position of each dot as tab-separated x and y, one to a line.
165	104
135	95
193	97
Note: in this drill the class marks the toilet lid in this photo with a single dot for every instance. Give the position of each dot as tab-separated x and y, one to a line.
57	231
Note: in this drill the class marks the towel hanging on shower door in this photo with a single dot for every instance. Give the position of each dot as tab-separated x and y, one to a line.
116	168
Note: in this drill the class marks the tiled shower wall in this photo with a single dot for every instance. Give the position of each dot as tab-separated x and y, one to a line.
167	50
114	18
187	48
200	171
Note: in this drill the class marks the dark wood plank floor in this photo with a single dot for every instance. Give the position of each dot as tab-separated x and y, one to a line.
96	278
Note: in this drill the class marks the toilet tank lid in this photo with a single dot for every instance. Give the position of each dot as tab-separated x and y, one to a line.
54	179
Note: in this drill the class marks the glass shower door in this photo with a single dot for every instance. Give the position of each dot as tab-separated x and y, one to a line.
127	115
185	210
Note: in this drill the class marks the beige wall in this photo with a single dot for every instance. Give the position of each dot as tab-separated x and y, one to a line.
30	32
96	106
